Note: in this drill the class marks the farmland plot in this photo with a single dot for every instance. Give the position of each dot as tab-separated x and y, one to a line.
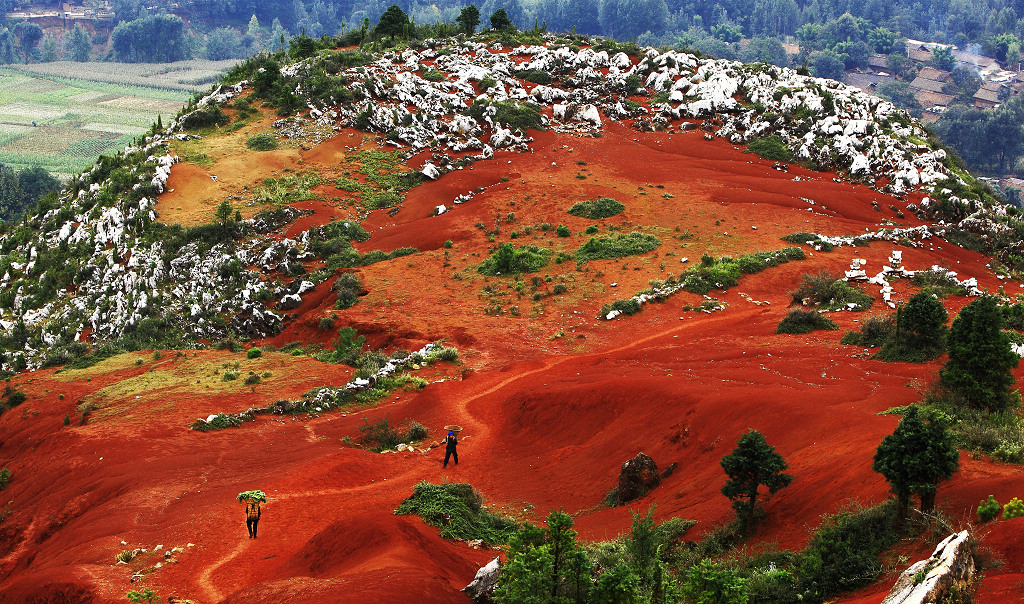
62	115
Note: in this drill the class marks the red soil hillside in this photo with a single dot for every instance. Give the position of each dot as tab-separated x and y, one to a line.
552	399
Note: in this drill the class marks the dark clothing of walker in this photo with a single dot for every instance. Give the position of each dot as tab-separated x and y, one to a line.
252	517
449	451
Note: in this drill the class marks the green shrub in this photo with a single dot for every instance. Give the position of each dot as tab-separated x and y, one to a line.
348	287
559	289
458	511
67	419
261	142
515	115
811	239
708	581
616	247
508	260
1013	509
802	321
919	333
204	118
229	376
253	353
563	231
417	432
221	422
630	306
988	509
146	596
602	207
843	553
826	291
874	332
5	478
380	435
252	378
537	76
14	397
771	148
447	244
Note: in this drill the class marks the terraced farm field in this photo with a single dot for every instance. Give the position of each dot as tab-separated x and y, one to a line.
62	115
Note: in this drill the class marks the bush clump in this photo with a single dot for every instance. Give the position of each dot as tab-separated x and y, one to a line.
602	207
384	435
812	239
537	76
725	272
348	288
253	353
515	115
772	148
508	260
874	332
261	142
205	118
458	511
5	478
827	292
803	321
919	331
616	247
1013	509
988	509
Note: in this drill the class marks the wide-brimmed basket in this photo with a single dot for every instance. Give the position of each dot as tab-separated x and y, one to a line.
453	428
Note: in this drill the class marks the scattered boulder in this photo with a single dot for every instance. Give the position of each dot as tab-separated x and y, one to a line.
481	589
638	476
949	570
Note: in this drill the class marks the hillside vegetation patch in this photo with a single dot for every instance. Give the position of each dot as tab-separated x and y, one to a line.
458	511
805	321
601	207
827	292
509	260
619	246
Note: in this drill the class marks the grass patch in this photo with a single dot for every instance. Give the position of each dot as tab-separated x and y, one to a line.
458	511
619	246
261	142
602	207
287	189
803	321
513	114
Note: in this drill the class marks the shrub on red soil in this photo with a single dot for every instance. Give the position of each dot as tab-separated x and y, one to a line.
803	321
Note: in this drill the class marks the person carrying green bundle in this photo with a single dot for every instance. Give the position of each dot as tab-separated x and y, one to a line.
252	509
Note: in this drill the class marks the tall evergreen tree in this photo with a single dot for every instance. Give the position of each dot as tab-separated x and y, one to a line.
980	357
78	47
469	18
914	459
751	464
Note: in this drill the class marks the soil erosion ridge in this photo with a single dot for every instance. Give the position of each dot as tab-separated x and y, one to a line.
347	248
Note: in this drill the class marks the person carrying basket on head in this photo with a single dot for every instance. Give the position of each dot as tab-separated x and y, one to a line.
450	444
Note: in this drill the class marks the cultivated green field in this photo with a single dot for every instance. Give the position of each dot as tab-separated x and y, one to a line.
62	115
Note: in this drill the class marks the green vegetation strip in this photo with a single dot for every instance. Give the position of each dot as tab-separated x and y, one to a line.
458	511
710	273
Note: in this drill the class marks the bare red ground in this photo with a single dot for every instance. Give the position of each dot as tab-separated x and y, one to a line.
552	401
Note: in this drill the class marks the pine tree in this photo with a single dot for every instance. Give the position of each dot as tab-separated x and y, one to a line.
914	459
469	18
980	358
751	464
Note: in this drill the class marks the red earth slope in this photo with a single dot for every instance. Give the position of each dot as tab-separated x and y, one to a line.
552	400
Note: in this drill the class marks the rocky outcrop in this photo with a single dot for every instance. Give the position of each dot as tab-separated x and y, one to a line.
481	590
638	476
950	569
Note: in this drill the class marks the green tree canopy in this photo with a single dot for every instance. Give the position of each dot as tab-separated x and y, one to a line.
920	333
29	35
751	464
500	21
914	458
394	22
78	47
469	18
156	39
980	357
545	565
